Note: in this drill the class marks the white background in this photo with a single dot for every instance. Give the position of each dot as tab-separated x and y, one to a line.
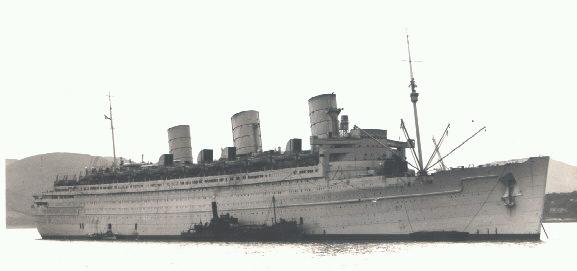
504	64
509	65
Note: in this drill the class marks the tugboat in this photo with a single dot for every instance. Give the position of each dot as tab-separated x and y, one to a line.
226	228
108	235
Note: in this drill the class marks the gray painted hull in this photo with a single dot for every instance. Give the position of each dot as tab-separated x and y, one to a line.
468	200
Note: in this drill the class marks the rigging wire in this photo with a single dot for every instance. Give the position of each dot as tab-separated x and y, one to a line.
486	199
438	145
441	159
386	146
409	140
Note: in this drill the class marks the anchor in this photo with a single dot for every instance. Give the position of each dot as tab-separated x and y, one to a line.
511	189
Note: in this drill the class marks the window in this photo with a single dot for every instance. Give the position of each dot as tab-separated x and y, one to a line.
135	226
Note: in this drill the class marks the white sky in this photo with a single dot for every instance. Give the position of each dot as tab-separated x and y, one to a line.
509	65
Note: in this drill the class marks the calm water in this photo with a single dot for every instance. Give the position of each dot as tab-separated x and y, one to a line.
22	250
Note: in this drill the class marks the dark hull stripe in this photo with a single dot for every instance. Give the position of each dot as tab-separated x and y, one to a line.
442	237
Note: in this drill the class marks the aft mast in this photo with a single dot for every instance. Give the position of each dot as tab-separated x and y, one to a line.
111	128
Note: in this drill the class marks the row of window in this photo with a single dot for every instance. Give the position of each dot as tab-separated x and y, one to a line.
190	182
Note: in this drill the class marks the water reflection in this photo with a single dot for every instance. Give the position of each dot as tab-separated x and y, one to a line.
321	255
333	248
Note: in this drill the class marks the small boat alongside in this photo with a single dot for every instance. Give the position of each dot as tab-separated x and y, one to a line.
108	235
227	228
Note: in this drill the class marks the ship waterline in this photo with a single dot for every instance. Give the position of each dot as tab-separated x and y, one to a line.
341	199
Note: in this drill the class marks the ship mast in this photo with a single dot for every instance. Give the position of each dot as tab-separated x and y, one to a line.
414	99
111	129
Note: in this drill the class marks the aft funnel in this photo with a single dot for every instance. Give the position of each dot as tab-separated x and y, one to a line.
323	113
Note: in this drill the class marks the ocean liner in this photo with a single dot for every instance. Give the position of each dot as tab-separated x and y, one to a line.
352	183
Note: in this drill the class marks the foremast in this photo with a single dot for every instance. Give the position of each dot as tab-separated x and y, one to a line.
414	99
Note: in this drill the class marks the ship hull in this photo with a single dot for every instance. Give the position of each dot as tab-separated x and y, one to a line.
471	203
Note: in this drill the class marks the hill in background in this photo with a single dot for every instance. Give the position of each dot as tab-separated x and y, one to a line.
561	177
36	174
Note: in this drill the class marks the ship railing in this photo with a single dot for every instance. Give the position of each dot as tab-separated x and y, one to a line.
169	173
